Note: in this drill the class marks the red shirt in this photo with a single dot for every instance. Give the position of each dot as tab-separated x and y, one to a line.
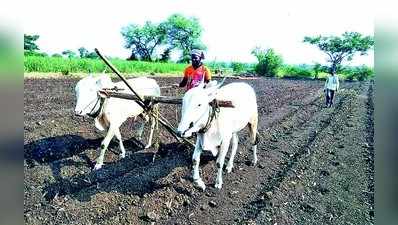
194	77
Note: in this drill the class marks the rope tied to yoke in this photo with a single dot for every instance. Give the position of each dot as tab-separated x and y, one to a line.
99	100
214	110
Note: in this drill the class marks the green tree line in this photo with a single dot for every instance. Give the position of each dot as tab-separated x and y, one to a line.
155	42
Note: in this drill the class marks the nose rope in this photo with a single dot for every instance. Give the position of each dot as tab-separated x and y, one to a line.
89	104
214	109
195	122
96	113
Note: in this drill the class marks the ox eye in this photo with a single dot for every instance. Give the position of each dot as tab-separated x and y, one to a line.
199	105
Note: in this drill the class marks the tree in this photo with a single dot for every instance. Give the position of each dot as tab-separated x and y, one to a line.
183	34
132	57
34	53
57	55
268	61
359	73
83	52
238	67
29	42
341	48
92	55
317	68
143	41
165	56
69	53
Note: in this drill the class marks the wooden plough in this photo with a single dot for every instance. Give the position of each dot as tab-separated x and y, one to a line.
146	102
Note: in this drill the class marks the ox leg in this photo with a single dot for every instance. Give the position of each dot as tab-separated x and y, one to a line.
195	165
234	147
119	137
220	161
151	132
141	130
254	149
104	146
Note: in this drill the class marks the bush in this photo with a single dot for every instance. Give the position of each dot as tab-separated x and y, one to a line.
359	73
238	67
33	53
268	62
301	71
65	72
219	67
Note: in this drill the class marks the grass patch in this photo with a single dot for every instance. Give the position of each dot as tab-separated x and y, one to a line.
78	65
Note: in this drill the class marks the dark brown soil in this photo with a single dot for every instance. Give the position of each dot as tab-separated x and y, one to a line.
315	163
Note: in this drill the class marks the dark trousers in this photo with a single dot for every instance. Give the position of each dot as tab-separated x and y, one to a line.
329	97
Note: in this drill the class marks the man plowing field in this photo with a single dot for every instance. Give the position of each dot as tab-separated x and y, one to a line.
196	72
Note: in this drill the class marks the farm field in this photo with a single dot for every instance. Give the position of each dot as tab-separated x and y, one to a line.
315	163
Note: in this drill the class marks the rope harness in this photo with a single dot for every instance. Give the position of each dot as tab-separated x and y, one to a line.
96	113
214	109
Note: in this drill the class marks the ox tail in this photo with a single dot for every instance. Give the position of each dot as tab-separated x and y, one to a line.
253	125
258	138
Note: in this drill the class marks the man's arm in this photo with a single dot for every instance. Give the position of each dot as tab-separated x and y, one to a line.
183	82
207	75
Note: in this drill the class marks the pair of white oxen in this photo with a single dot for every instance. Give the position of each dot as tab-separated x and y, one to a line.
215	128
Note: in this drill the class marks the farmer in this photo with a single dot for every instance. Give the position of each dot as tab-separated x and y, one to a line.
194	73
331	86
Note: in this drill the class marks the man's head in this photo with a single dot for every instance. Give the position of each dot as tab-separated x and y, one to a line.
196	57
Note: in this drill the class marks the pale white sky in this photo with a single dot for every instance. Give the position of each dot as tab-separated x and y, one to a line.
231	28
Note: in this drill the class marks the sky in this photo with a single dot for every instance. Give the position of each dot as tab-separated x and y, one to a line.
231	29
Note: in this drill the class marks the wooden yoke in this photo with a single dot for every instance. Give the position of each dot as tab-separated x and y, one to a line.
155	99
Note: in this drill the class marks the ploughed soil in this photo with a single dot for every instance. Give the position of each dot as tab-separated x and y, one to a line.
315	164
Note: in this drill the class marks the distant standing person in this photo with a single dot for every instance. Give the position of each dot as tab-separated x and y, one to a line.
331	86
195	72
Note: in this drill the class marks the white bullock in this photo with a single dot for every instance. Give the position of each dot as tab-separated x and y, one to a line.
216	127
110	113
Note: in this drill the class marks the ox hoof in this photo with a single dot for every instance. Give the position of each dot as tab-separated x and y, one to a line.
200	184
214	152
254	162
97	166
229	168
147	146
122	155
218	185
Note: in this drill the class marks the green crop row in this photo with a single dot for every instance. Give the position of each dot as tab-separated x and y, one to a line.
74	65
